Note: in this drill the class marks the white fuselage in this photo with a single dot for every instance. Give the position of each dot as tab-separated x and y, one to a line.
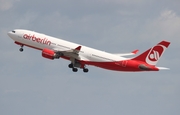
41	41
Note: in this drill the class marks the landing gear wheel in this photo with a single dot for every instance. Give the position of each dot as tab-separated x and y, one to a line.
85	70
70	65
74	69
21	49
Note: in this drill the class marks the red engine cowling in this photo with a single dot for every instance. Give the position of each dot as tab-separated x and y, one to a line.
47	53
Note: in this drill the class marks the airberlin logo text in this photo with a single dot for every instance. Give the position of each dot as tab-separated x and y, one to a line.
36	39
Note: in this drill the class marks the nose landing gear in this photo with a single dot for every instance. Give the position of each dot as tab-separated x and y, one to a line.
21	49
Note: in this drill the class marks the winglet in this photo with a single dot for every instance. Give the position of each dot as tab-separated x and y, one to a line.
128	54
76	50
135	51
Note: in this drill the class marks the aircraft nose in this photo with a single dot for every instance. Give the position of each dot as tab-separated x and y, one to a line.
10	33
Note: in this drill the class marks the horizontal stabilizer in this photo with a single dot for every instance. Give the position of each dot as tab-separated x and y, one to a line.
163	68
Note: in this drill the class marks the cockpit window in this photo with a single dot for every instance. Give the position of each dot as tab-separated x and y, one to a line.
14	31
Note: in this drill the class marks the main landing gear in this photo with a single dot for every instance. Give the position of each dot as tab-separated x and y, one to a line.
74	65
21	49
85	70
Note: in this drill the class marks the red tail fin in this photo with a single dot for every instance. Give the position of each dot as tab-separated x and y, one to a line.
152	55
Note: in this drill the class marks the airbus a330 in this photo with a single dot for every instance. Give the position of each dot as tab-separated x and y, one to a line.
80	56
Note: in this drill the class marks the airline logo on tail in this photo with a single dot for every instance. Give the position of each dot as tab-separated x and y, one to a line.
156	52
152	55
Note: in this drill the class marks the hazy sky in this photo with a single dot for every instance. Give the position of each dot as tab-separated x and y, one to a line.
32	85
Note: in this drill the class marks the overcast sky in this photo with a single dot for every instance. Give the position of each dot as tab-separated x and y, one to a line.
32	85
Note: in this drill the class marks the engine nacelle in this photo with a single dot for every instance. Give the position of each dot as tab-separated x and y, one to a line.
49	54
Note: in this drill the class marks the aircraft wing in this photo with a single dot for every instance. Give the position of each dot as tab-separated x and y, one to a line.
128	54
73	53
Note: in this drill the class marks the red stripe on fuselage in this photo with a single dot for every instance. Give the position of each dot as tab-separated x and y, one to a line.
125	65
18	43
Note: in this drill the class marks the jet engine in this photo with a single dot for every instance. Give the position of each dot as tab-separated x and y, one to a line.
49	54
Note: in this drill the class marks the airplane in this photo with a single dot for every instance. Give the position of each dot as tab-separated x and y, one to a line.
80	56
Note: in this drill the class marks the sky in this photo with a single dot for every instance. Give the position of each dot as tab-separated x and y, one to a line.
33	85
